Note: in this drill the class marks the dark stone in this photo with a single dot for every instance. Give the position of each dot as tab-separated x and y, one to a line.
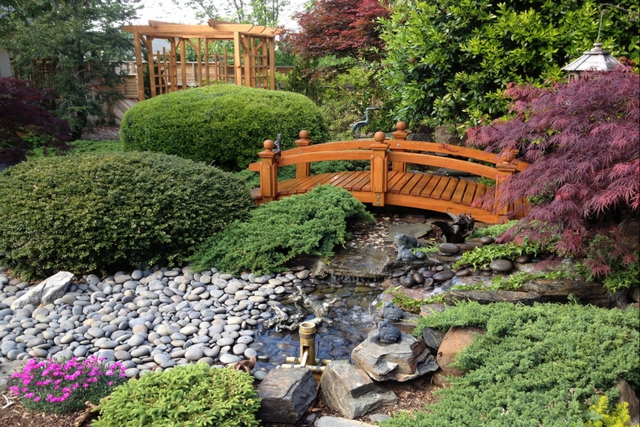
408	282
449	248
487	240
391	312
443	275
432	339
428	273
501	265
428	283
463	273
470	246
286	394
420	255
522	259
387	333
419	278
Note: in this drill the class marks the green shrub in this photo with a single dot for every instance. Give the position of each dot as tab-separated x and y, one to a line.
312	223
221	124
535	366
495	230
88	212
190	396
601	416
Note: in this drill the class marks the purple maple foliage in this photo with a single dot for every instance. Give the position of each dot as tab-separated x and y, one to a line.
26	122
582	141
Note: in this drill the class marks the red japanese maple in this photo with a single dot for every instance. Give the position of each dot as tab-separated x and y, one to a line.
339	27
582	140
26	122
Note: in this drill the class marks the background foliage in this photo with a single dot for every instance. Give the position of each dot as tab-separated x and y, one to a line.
81	39
192	395
311	224
448	61
581	140
221	124
537	365
108	210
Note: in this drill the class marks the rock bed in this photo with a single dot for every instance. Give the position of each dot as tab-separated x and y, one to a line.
147	320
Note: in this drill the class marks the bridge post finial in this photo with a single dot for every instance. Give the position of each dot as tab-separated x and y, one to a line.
303	170
269	171
379	168
399	135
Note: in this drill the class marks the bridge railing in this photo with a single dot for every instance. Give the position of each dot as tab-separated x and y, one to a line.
384	155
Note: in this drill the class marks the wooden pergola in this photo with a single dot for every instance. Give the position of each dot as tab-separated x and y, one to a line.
252	63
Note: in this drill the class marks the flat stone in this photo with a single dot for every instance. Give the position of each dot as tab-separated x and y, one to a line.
339	422
449	248
487	297
227	359
286	394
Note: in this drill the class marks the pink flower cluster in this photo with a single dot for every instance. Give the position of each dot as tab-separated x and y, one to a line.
55	382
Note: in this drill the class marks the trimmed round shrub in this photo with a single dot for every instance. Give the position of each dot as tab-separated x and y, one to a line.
90	212
225	125
189	395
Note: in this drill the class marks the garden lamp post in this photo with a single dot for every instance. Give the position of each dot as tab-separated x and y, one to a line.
597	59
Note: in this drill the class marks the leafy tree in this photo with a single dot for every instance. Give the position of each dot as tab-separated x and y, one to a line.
261	12
448	60
82	42
340	28
582	141
26	122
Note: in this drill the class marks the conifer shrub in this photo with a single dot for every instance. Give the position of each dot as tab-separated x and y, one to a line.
581	140
89	212
225	125
536	365
311	224
189	395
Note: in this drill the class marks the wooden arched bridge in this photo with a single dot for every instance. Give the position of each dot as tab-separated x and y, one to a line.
388	182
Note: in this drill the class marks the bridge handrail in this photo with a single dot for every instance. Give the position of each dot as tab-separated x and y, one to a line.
380	151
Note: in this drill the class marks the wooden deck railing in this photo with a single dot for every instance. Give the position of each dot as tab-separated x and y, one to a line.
388	166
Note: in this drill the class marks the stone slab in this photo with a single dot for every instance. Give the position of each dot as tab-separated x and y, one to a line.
286	394
338	383
339	422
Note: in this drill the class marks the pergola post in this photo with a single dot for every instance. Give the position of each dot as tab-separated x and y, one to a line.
139	66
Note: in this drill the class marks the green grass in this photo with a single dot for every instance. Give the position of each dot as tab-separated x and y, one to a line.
82	146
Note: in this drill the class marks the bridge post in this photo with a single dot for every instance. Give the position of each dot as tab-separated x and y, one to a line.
505	170
399	135
303	170
379	169
269	171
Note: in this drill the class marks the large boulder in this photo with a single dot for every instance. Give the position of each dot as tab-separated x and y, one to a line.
350	391
400	361
286	394
454	341
45	292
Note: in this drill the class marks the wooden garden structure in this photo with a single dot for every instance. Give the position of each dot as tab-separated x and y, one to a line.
252	62
388	180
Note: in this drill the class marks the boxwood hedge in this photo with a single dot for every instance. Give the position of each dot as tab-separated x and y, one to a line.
221	124
88	212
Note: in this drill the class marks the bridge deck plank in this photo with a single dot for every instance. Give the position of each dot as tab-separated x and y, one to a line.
428	189
459	193
448	191
424	180
411	184
437	192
